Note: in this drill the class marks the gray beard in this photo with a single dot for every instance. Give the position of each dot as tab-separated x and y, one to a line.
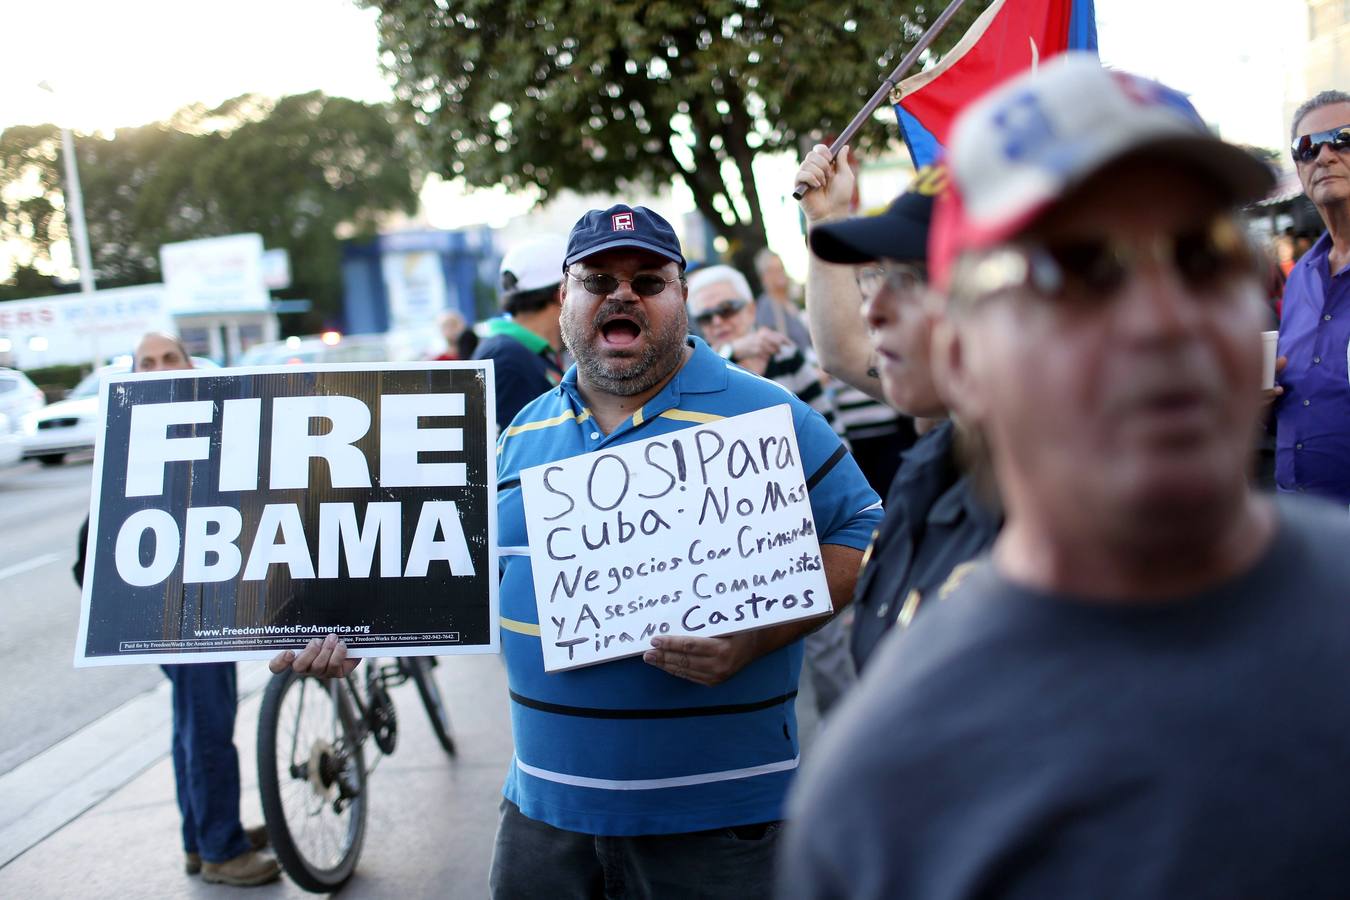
626	377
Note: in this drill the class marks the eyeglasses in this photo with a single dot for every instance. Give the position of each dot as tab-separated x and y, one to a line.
898	276
602	284
1307	146
1091	270
724	310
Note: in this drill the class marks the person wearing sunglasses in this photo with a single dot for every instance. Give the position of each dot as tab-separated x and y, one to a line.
525	343
869	289
1141	693
664	774
1312	438
723	306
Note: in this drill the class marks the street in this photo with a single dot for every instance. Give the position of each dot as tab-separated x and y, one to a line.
44	698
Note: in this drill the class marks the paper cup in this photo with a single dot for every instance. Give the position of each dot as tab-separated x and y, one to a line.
1270	341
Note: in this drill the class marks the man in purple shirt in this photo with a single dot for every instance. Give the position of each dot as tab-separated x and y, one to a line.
1312	452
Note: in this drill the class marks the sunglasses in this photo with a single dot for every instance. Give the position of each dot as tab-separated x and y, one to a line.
899	277
1094	270
1306	148
724	310
604	284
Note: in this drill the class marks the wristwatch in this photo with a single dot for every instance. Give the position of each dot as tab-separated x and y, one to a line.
726	353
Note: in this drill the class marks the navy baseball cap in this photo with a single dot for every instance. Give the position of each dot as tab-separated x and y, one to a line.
900	233
622	226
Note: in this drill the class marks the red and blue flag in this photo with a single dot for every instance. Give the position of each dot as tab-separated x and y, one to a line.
1009	36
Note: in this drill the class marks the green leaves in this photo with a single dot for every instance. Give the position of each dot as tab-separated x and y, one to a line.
590	96
295	170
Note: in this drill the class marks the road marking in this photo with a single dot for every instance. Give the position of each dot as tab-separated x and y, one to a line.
28	565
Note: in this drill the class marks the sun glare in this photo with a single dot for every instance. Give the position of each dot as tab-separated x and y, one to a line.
138	61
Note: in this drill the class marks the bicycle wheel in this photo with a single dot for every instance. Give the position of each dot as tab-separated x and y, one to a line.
420	668
312	778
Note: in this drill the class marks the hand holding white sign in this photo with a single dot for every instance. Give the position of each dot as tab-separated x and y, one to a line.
704	532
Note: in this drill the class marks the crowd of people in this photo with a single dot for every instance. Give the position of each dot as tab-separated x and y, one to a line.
1075	652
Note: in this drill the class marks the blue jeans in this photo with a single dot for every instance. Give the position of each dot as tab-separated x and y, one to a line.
533	859
205	763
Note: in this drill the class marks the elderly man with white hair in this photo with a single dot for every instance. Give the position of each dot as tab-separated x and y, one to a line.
723	306
721	302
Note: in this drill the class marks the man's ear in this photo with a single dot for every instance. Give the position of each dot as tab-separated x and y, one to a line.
950	357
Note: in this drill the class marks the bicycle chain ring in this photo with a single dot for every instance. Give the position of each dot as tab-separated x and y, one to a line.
383	720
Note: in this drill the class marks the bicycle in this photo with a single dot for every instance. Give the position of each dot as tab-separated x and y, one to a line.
312	772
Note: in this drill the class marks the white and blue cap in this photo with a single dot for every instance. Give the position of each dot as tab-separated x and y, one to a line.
619	227
1022	147
533	264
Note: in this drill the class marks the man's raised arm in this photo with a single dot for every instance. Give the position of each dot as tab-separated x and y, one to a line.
833	301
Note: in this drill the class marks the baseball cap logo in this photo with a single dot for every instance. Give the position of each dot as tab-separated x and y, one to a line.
622	222
1025	127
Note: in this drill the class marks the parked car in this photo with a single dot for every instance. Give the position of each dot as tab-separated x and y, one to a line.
394	346
71	425
11	443
18	397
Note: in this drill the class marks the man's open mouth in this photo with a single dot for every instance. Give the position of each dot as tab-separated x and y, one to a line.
620	331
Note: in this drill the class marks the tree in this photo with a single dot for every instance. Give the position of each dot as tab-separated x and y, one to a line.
31	208
294	170
596	95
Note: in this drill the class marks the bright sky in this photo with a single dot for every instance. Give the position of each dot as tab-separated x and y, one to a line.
129	62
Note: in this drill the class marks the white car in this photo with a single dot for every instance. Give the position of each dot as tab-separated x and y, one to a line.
11	443
71	425
18	398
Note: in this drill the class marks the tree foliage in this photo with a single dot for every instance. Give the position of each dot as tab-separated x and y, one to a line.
293	170
591	96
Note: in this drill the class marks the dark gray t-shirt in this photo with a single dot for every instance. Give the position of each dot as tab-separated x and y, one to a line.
1018	744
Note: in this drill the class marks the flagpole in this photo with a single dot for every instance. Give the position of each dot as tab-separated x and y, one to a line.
886	87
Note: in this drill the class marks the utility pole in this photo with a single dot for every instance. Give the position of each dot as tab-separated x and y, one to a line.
79	234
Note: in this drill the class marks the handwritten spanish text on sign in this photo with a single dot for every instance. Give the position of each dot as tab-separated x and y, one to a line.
705	532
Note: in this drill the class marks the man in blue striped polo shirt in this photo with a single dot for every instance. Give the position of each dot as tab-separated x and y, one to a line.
662	775
659	775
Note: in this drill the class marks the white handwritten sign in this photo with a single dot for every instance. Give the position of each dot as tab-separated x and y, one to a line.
706	531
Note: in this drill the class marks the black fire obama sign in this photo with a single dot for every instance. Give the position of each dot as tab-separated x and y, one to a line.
237	513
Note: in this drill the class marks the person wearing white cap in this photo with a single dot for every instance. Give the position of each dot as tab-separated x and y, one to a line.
524	343
1142	692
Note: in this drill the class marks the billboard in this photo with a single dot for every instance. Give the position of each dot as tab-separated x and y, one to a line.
213	275
71	329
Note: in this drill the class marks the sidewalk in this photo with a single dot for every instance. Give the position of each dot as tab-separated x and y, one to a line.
429	831
95	815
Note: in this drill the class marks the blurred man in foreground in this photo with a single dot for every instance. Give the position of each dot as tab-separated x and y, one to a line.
205	699
1154	653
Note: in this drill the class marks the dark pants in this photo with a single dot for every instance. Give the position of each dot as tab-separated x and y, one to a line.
205	763
536	860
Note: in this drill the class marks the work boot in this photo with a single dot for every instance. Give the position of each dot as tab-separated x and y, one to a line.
257	839
245	870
